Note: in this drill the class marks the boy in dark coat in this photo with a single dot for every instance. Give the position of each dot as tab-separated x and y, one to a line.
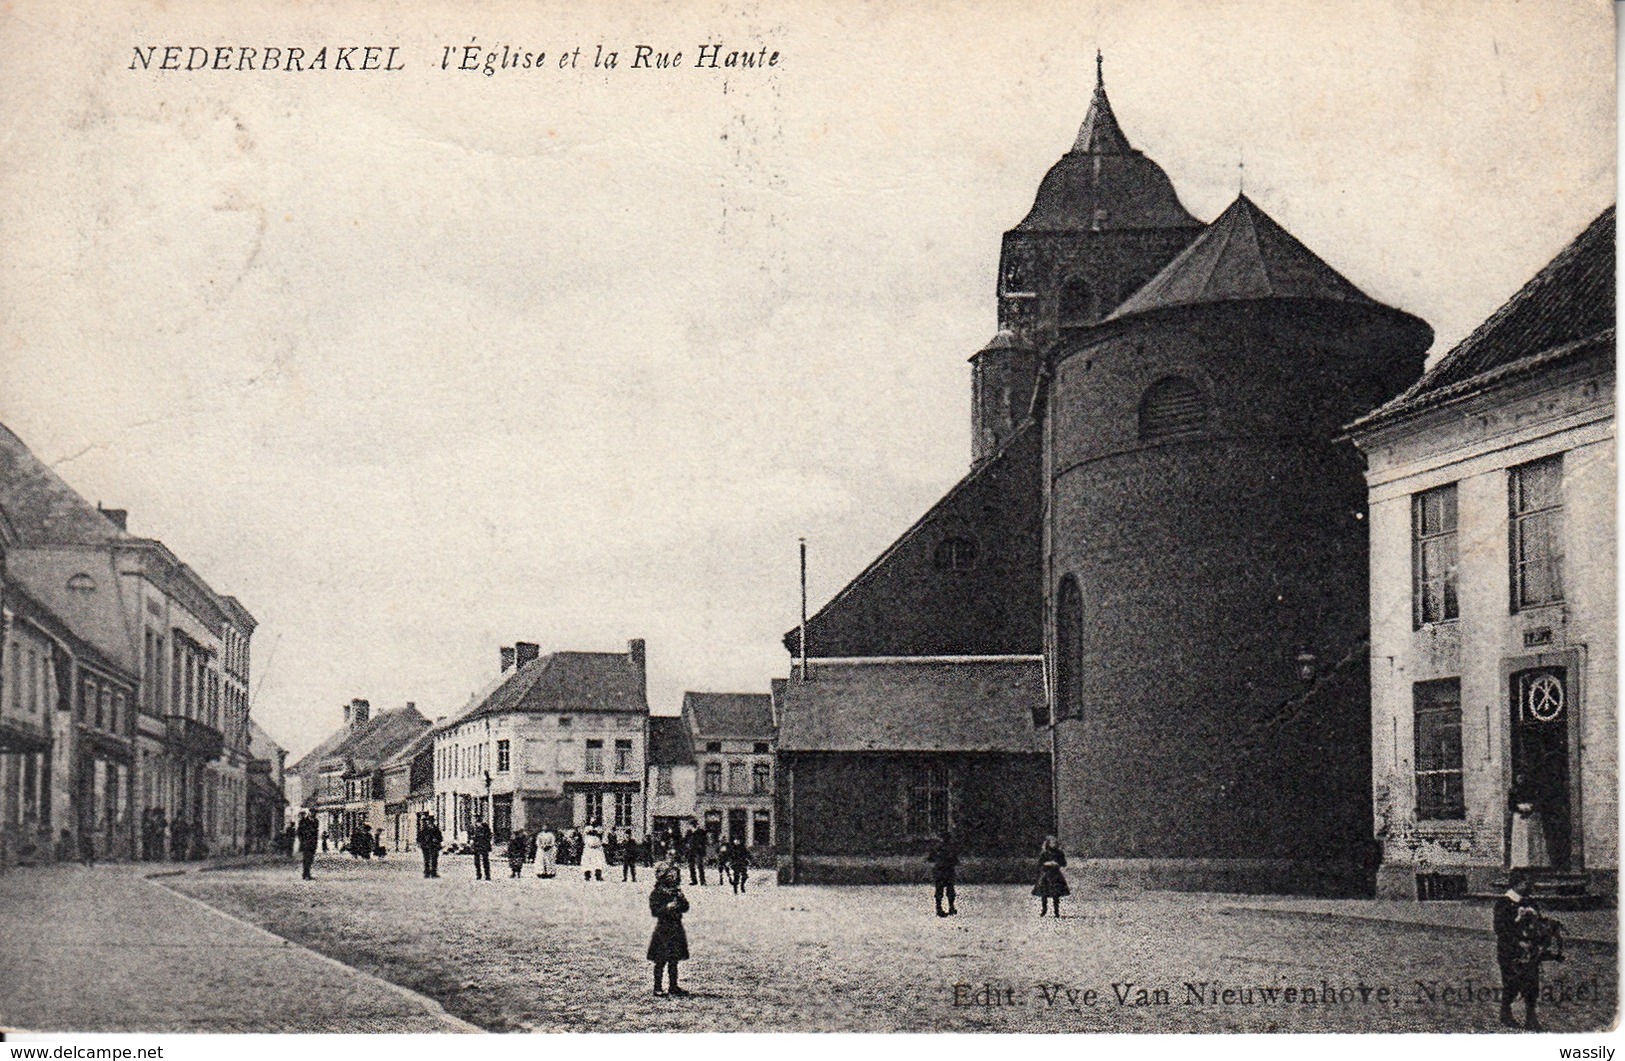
738	865
944	859
481	842
518	851
1520	969
429	840
629	859
669	943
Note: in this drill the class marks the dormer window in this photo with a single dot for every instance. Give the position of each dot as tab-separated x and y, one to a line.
82	583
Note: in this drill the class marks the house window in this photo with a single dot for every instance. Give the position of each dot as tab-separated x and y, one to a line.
713	777
761	781
564	721
623	757
736	825
713	746
1433	556
1437	706
595	757
595	808
502	756
1172	407
955	554
713	823
1077	302
623	810
762	828
1068	652
1537	554
736	778
928	799
663	785
762	747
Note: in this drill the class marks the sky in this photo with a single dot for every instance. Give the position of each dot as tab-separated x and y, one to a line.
418	364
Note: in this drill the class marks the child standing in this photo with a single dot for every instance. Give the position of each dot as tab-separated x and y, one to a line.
669	943
1051	881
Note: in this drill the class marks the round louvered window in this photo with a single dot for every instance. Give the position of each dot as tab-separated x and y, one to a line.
1172	407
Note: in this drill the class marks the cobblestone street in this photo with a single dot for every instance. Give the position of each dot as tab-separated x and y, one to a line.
565	955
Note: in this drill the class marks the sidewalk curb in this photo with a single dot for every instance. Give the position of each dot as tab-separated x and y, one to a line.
434	1009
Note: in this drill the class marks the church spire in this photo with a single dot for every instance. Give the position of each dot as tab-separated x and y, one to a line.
1100	133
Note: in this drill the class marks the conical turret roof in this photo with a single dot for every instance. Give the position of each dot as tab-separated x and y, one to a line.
1103	184
1243	255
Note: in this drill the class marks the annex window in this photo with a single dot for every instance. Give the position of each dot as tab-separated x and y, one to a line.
1068	652
955	554
713	746
623	757
595	757
1077	302
761	781
929	798
1437	707
1537	552
1173	407
736	777
713	777
762	747
1433	556
503	756
663	785
762	828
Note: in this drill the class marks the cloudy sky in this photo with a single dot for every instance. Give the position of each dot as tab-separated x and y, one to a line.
418	364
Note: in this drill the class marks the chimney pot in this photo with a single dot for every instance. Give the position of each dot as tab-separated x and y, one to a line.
118	517
508	652
526	652
358	712
635	656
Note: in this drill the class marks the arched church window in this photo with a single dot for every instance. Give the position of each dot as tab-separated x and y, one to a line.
955	554
1172	407
1069	650
1077	302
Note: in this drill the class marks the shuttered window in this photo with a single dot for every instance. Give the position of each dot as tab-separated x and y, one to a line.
1172	407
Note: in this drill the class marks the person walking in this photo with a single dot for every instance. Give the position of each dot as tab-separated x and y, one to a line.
429	840
1051	881
518	851
546	848
944	859
668	945
480	840
695	848
1516	950
180	836
378	847
592	853
309	834
629	858
738	856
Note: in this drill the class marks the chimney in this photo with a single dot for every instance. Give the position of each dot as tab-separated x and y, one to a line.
635	656
507	658
526	652
357	713
118	517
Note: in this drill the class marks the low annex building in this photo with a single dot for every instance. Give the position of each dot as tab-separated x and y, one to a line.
734	739
672	777
1493	593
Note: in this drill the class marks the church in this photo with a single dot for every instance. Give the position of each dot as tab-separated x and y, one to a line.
1163	525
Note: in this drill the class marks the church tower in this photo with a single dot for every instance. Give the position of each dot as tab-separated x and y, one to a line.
1105	220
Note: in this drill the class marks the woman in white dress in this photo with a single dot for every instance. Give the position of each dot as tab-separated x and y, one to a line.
592	853
1528	841
546	845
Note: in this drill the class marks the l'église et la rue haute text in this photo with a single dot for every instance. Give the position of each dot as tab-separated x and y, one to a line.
472	57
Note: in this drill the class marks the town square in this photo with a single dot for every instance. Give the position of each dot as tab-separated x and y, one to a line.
1112	532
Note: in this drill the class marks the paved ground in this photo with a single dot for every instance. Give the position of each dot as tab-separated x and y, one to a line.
563	955
106	949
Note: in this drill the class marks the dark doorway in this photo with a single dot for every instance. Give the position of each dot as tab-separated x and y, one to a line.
1540	752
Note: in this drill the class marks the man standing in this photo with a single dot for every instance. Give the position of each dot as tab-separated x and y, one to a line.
481	838
429	840
1517	951
309	836
944	859
695	850
629	857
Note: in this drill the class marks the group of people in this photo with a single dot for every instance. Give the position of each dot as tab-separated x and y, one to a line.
175	840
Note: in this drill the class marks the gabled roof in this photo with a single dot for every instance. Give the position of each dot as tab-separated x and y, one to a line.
564	682
1104	184
916	706
41	508
412	750
670	742
1242	256
260	743
382	736
746	716
1564	312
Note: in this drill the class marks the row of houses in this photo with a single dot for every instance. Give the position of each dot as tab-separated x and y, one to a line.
563	740
125	728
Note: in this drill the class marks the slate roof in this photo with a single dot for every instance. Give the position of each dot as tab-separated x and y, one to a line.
1243	255
405	756
747	716
1102	183
374	741
40	507
1565	311
670	742
564	682
916	706
260	743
